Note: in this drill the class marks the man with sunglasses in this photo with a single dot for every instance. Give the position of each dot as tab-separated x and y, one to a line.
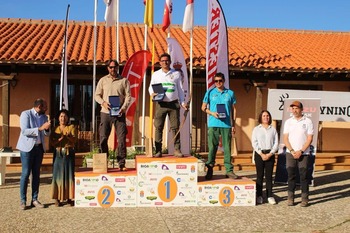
219	104
113	84
171	81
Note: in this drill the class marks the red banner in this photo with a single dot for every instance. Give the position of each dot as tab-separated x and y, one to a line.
134	71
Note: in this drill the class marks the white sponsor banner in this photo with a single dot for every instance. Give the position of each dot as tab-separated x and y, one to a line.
334	106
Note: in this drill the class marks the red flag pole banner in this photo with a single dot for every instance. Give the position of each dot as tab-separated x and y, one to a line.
187	24
217	52
178	63
64	84
134	71
168	10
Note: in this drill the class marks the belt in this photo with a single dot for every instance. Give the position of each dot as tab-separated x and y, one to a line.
40	144
265	151
170	102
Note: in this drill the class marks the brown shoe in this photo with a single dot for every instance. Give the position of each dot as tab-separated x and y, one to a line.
37	204
290	202
23	206
158	154
231	175
177	153
57	203
304	204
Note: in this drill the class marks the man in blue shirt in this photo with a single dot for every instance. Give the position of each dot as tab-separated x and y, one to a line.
219	104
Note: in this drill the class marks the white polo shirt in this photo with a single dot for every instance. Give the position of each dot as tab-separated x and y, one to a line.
298	131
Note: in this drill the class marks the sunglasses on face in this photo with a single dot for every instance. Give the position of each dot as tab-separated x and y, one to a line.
112	67
218	80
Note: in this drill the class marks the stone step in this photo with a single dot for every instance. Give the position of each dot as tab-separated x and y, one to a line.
242	162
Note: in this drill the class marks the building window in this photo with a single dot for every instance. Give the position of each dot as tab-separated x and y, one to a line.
79	102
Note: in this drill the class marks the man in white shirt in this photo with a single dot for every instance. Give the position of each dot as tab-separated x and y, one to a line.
298	134
171	81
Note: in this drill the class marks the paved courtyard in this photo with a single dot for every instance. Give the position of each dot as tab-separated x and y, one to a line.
329	211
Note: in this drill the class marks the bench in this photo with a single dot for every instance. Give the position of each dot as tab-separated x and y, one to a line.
4	156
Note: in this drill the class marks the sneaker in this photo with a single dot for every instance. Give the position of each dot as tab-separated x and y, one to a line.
259	200
23	206
158	154
37	204
290	202
123	169
231	175
304	204
70	202
209	174
271	200
177	153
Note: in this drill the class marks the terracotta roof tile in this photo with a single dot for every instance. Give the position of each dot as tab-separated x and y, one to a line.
41	41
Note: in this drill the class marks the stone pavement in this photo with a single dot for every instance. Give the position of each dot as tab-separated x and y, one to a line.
329	211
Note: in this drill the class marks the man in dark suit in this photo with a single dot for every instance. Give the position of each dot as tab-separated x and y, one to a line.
34	127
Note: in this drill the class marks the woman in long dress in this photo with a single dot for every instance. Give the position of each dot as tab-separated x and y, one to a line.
63	140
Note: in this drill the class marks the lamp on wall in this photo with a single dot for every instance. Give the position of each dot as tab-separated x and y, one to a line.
13	82
247	87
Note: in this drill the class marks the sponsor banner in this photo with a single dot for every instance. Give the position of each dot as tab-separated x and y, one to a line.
117	189
334	105
167	181
134	71
311	110
216	46
226	192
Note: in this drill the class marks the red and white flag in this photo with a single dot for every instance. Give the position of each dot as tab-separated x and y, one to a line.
168	10
187	24
134	71
217	53
111	13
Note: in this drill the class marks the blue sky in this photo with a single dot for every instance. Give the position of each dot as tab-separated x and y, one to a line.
295	14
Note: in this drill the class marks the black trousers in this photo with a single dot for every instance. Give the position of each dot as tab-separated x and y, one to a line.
264	168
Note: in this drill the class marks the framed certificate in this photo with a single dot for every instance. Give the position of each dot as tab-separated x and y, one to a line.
220	108
158	88
114	101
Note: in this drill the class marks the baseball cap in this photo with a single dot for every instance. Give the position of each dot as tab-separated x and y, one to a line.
296	104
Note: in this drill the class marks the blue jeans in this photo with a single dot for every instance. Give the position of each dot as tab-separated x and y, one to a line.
31	163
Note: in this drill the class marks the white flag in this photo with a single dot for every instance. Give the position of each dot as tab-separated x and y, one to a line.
64	85
217	53
188	16
111	12
178	63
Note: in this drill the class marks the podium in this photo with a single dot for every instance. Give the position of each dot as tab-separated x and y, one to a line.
167	181
161	182
221	191
111	189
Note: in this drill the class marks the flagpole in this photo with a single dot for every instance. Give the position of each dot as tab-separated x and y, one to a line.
63	86
144	95
191	84
94	70
117	33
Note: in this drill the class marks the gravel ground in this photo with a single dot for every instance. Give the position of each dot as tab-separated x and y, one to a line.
329	211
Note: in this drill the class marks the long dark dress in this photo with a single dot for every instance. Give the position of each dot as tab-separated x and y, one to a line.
62	186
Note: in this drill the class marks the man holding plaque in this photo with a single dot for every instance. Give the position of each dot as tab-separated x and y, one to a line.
113	94
219	104
169	104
